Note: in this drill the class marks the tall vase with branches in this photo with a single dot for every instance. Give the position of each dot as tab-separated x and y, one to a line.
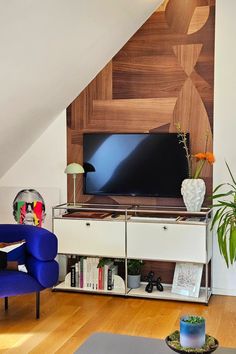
193	189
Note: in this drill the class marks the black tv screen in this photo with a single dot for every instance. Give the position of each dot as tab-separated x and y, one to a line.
152	164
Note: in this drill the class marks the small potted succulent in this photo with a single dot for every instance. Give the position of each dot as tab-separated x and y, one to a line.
134	273
192	331
192	337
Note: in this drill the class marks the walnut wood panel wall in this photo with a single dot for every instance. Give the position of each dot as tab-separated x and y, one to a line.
163	75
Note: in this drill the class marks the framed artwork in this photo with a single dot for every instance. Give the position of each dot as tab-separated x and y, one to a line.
187	279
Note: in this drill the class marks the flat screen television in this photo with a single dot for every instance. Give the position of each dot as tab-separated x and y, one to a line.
152	164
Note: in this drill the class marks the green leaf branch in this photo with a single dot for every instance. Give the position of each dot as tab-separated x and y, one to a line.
225	219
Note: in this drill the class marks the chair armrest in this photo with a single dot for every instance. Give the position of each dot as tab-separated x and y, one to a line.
45	272
40	243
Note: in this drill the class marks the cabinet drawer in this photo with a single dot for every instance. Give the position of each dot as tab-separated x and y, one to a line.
90	237
154	241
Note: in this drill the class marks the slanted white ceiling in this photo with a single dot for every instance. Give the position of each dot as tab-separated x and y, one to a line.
50	51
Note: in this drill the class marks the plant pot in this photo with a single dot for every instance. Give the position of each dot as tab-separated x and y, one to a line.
192	334
193	192
134	281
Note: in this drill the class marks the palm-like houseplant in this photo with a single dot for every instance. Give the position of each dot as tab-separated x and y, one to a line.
225	219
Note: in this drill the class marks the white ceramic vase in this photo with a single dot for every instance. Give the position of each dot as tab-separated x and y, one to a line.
193	192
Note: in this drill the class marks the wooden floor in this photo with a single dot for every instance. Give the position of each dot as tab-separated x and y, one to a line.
67	319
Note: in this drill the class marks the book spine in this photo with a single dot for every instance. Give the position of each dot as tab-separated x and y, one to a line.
93	274
84	272
81	278
113	273
88	273
96	270
100	278
73	276
109	279
105	274
77	274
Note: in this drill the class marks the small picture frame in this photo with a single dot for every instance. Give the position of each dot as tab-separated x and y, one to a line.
187	279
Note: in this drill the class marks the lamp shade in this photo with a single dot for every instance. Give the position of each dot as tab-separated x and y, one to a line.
74	168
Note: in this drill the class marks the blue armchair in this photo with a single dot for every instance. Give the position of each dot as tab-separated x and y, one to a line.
41	249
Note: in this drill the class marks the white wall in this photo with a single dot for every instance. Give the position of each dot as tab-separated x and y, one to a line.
50	51
224	280
41	168
44	162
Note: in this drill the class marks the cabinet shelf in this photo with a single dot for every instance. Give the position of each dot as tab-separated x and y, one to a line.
168	295
136	232
63	286
140	292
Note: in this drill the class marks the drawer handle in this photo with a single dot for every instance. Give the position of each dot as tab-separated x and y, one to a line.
87	223
165	228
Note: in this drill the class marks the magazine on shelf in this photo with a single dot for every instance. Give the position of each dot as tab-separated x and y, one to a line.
187	279
86	214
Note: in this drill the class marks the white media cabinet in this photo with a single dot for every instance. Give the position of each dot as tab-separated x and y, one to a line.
135	232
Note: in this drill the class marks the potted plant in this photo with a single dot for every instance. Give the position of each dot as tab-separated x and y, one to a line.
134	272
225	218
192	331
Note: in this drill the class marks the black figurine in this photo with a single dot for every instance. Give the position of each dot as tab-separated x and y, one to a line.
151	283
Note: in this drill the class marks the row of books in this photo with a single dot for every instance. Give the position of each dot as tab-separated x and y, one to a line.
92	273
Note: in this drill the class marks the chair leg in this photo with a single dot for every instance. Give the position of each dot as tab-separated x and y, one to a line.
6	303
37	305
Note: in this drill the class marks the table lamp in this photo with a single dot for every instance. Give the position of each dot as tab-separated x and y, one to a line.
74	169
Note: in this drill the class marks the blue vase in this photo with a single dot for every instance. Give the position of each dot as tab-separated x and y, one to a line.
192	335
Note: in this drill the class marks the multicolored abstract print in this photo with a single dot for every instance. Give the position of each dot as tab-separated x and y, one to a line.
29	213
29	207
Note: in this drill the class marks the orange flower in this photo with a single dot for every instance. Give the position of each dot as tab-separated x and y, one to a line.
195	167
207	156
210	157
200	156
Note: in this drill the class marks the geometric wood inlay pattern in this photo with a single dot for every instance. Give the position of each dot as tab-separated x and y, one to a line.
127	114
143	76
164	74
206	92
191	112
187	16
199	18
187	55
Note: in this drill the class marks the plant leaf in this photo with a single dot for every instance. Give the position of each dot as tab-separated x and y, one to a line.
220	237
231	175
229	204
232	243
223	194
219	186
224	250
231	185
217	215
216	205
227	218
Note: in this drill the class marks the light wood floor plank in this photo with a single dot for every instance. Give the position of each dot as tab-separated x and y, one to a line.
68	319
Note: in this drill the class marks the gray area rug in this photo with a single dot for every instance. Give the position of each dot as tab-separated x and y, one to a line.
107	343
